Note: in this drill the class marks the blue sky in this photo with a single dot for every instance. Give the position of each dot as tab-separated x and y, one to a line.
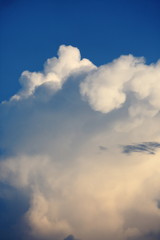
31	32
79	120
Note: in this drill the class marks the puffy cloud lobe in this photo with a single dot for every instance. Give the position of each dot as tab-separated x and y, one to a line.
145	83
107	87
104	88
67	158
88	199
56	72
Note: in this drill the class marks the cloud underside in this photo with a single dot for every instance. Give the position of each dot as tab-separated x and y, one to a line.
60	138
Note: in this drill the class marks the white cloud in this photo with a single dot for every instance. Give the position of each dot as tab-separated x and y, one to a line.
56	71
52	148
108	86
105	87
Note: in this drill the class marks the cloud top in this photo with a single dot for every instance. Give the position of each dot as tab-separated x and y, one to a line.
105	88
108	86
55	73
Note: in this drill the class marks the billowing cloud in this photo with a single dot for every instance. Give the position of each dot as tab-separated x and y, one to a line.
56	71
60	149
107	87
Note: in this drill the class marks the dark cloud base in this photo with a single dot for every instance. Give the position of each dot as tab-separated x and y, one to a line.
150	236
13	205
70	237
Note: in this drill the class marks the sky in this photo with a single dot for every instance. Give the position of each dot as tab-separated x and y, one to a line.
79	120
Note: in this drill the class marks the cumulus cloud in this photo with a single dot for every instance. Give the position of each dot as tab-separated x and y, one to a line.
56	71
107	87
62	152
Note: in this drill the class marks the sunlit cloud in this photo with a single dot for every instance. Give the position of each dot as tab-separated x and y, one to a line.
65	139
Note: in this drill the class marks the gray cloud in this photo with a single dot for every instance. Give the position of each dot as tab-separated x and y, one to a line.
145	147
70	237
102	148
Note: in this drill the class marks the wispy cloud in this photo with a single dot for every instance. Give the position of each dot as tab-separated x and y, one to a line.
146	147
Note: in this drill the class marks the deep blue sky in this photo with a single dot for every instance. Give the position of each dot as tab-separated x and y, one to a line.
32	30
